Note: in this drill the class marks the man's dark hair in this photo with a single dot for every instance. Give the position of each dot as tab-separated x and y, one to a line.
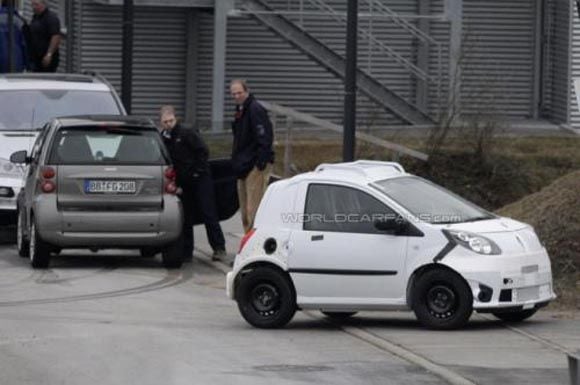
240	82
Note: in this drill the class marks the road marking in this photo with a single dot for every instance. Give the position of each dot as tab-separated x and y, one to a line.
552	345
450	376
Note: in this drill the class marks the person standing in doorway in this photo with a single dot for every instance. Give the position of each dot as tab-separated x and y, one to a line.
45	38
252	152
190	154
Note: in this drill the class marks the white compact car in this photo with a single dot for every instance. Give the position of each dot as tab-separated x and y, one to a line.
27	102
369	236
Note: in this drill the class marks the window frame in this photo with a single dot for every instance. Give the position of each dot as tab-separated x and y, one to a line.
356	189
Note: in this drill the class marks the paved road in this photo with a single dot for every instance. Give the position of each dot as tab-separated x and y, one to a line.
116	318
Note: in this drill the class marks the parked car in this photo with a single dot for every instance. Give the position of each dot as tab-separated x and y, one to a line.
98	182
369	236
27	102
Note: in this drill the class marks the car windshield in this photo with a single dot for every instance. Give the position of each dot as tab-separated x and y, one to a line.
429	202
107	145
30	109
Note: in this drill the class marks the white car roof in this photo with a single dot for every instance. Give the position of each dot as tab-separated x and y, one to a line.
25	83
360	172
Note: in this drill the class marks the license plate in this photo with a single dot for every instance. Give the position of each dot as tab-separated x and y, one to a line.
110	187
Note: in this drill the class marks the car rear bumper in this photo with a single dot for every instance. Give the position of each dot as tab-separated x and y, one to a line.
131	229
230	284
507	282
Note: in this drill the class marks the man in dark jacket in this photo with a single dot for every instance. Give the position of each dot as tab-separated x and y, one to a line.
45	38
252	153
189	154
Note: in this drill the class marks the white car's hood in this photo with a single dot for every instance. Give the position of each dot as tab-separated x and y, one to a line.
511	236
12	141
496	225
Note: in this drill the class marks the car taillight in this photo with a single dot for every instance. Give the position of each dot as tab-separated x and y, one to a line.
170	187
47	185
48	172
170	175
245	239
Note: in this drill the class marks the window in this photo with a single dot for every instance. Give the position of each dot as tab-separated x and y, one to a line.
35	152
429	202
343	209
107	145
29	109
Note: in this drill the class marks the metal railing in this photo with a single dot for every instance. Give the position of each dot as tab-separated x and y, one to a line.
377	9
293	116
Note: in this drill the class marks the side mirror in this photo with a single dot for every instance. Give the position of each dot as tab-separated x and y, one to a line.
391	226
398	226
20	157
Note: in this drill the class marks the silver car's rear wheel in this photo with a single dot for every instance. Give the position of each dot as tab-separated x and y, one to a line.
21	241
172	255
38	251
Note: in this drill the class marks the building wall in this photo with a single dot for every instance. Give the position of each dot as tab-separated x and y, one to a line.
159	53
497	69
556	64
498	57
574	107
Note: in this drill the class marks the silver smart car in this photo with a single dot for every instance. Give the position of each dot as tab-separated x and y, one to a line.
98	182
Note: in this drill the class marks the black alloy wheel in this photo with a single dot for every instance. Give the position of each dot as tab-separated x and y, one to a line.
266	298
442	300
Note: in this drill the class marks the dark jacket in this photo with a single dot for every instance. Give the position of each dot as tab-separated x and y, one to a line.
20	51
42	28
253	138
188	152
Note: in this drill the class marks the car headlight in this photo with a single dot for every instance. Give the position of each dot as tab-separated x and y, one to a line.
474	242
11	170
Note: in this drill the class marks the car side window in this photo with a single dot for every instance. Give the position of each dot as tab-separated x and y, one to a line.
343	209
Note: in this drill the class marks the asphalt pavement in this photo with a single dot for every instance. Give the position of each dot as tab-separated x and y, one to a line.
116	318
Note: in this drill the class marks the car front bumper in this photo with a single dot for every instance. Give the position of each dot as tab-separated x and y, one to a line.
9	189
507	282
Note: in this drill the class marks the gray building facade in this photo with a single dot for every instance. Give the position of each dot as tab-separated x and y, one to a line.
512	60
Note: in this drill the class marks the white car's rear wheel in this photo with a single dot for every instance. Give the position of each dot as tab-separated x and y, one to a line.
266	298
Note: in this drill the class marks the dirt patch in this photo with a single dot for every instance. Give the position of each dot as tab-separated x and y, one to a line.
554	212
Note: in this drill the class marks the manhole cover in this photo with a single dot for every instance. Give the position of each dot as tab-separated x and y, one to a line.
293	368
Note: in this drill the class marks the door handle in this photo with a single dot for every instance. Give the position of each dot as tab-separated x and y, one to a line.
319	237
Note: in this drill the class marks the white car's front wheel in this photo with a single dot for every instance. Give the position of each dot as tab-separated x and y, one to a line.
517	316
266	298
442	300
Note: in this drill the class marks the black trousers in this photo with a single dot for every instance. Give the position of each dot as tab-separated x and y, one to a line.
198	199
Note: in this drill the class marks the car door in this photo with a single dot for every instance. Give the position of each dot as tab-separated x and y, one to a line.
339	257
